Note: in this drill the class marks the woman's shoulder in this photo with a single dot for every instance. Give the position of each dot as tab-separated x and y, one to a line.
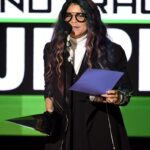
117	47
47	50
47	45
115	52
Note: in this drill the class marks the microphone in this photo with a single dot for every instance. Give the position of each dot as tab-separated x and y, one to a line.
67	28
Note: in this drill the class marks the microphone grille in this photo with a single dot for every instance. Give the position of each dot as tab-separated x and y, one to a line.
67	28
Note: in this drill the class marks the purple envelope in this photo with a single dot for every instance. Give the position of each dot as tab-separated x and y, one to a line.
96	81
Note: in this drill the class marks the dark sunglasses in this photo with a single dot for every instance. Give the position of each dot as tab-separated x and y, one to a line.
80	17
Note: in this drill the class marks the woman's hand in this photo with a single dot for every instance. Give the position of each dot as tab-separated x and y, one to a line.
49	105
111	96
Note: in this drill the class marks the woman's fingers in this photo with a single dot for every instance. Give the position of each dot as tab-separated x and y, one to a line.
49	105
111	96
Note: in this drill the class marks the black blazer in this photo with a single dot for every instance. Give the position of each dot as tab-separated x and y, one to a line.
116	61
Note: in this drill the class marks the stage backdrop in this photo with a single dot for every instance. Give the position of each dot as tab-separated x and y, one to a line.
27	25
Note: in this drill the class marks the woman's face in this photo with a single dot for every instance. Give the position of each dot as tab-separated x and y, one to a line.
77	18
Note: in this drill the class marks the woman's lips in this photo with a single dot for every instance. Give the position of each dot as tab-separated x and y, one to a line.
75	28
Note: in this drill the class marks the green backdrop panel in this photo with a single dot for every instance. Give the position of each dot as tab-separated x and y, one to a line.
135	114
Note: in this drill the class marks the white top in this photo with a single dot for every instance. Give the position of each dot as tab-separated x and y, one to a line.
77	51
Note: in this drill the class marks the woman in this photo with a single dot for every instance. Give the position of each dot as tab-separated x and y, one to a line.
91	122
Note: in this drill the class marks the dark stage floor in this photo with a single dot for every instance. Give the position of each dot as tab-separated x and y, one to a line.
38	143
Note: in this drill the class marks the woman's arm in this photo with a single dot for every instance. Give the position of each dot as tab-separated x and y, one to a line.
122	92
49	106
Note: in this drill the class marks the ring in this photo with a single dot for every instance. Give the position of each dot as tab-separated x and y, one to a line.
92	98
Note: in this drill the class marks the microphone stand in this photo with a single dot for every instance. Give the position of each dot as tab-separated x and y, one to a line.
67	30
65	56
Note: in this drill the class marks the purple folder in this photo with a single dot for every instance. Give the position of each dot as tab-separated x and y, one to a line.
96	81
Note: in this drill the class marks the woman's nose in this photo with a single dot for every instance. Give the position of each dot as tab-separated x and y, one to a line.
73	19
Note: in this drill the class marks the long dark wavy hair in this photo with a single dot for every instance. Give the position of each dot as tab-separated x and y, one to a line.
96	40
